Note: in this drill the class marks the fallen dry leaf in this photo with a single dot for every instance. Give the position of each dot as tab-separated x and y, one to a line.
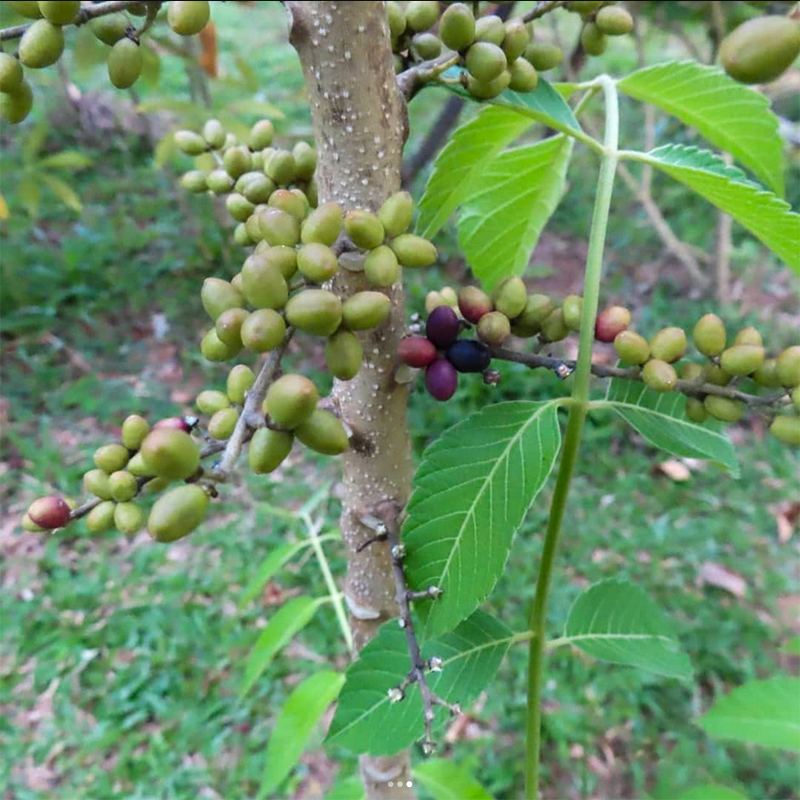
713	574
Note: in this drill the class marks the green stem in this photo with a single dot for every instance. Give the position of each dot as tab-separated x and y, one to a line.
572	438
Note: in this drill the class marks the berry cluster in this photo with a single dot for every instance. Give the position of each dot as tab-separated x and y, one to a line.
42	44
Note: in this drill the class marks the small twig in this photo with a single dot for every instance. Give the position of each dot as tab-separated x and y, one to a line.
388	514
542	8
413	79
563	367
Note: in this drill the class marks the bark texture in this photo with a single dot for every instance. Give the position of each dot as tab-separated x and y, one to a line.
360	125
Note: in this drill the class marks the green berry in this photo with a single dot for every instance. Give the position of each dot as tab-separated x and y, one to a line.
486	90
660	376
381	267
136	466
788	367
395	214
278	227
10	73
261	135
316	311
221	425
584	6
41	45
343	355
510	296
413	251
717	375
724	409
421	14
219	181
25	8
214	133
742	359
427	45
516	39
170	453
134	429
291	400
457	26
236	161
761	49
15	106
283	258
554	329
101	518
537	308
229	325
524	77
188	17
214	349
485	61
263	283
494	328
490	28
695	410
614	21
279	166
749	336
190	142
111	457
631	347
110	28
690	371
709	335
323	432
290	202
786	430
95	481
210	401
397	19
543	56
194	181
239	207
128	518
257	189
365	310
123	486
305	161
669	345
572	308
177	513
767	374
593	40
364	229
60	12
268	449
240	379
218	295
124	63
263	330
317	262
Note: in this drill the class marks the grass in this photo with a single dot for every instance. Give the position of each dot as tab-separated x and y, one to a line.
121	661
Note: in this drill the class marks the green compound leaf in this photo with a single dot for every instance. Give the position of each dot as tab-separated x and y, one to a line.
734	117
763	213
765	712
616	621
471	493
502	220
660	417
471	655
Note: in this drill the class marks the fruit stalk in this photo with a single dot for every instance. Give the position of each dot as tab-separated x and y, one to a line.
572	439
359	120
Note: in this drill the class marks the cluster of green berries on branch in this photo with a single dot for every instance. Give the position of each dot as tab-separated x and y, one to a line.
497	54
42	43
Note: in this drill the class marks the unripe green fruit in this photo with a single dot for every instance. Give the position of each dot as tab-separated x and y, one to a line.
485	61
124	63
543	56
434	300
136	466
486	90
291	203
524	77
490	28
554	329
15	106
583	6
593	40
229	325
236	161
396	213
494	328
742	359
241	236
259	188
268	449
240	379
761	49
365	310
41	45
214	349
305	161
253	228
239	207
190	142
111	457
614	21
413	251
214	133
128	518
397	19
427	45
449	296
26	8
134	429
316	311
457	26
749	336
537	308
218	295
236	282
796	397
221	425
170	453
343	355
219	181
717	375
767	374
291	400
690	371
695	410
177	513
188	17
510	296
669	345
381	267
264	285
10	73
421	14
279	166
364	229
660	376
110	28
786	429
723	408
101	518
194	181
788	367
261	135
572	308
298	192
263	330
60	12
122	485
210	401
323	432
516	39
631	347
317	262
95	481
323	225
709	335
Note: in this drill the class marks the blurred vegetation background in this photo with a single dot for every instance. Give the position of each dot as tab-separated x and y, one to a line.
121	661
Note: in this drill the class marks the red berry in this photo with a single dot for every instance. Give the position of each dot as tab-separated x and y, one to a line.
441	379
442	326
611	322
49	512
473	303
174	422
416	351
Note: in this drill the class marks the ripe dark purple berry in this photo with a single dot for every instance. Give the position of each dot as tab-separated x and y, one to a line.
441	379
469	355
416	351
442	326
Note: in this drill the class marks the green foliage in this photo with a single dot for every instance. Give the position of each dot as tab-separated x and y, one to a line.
616	621
446	780
471	492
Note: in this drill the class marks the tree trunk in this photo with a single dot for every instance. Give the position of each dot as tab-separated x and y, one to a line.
360	125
